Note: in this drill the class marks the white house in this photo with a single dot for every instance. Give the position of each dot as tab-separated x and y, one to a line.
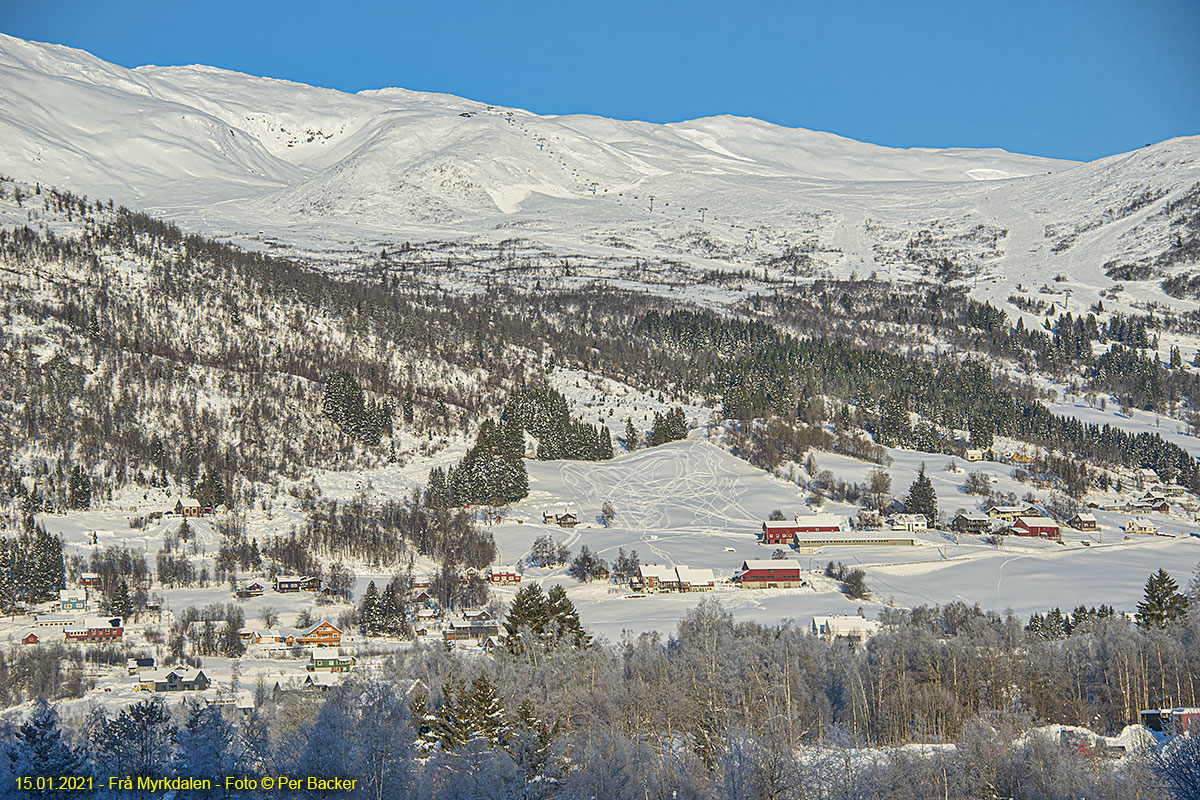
911	523
1140	525
853	628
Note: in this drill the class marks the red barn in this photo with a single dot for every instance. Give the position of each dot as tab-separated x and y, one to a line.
30	639
1036	526
769	573
783	532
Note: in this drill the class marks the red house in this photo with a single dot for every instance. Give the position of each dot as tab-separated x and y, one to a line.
782	532
505	574
30	639
99	629
1043	527
771	573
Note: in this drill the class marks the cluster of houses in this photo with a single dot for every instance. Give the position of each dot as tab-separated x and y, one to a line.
1172	721
187	507
283	584
680	578
499	575
319	634
563	517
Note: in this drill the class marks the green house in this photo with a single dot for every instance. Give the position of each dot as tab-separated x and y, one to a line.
329	659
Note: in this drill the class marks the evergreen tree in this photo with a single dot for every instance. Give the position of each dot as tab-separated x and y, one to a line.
368	611
79	489
47	575
484	713
633	439
139	741
425	721
605	451
437	495
38	749
389	614
669	427
9	585
587	566
565	618
921	498
895	427
1163	603
983	430
531	745
206	746
451	726
120	605
527	612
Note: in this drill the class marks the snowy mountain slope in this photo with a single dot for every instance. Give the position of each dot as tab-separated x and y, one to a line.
324	171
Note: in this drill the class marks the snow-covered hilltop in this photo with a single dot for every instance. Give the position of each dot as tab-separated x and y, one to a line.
235	154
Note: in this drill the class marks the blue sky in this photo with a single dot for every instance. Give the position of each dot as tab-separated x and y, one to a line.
1068	78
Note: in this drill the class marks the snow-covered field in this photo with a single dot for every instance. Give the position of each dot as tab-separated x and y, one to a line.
692	503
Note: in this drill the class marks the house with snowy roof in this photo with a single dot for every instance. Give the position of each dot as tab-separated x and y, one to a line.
1140	526
851	627
72	600
1042	527
910	523
329	659
695	579
173	679
657	578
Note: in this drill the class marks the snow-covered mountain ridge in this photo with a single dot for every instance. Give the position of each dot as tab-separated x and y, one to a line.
329	172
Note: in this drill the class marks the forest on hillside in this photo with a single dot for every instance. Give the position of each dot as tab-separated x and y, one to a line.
140	354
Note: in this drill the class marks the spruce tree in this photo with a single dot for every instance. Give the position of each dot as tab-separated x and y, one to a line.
120	605
921	498
47	575
606	444
484	713
633	439
38	748
388	612
368	612
1163	604
531	746
565	618
451	726
528	611
79	489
